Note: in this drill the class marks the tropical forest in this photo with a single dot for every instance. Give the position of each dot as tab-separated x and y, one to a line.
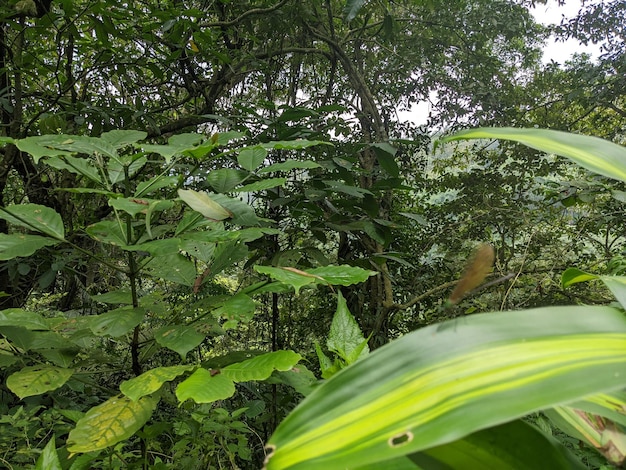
312	235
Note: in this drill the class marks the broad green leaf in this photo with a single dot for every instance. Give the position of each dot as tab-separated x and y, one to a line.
227	254
290	276
347	189
21	245
88	145
345	337
513	446
597	155
239	307
121	296
37	380
175	268
343	275
121	138
293	144
35	217
154	184
254	233
250	158
128	165
385	153
204	386
198	249
22	318
446	381
116	322
241	213
151	381
134	206
299	377
290	165
225	179
107	231
41	146
79	166
35	340
203	203
49	459
113	421
7	359
261	367
261	185
178	145
165	247
617	286
573	275
178	338
352	8
327	365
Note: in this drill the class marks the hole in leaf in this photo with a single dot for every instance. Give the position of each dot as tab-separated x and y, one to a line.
400	439
271	448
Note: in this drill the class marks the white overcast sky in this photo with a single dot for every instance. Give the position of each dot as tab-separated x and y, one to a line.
552	14
557	51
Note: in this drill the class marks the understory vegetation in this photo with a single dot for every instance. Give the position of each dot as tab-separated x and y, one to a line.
224	246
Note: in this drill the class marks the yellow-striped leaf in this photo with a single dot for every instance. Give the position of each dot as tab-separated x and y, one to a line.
595	154
446	381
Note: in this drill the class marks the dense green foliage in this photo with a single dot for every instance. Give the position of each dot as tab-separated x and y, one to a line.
211	210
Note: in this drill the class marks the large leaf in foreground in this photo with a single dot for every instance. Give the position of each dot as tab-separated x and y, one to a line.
446	381
511	446
595	154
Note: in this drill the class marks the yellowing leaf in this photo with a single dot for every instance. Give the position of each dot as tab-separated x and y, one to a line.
201	202
37	380
109	423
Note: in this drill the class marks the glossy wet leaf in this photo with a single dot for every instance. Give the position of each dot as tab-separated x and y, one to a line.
35	380
107	424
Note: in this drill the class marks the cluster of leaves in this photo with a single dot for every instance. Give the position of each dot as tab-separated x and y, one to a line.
160	238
